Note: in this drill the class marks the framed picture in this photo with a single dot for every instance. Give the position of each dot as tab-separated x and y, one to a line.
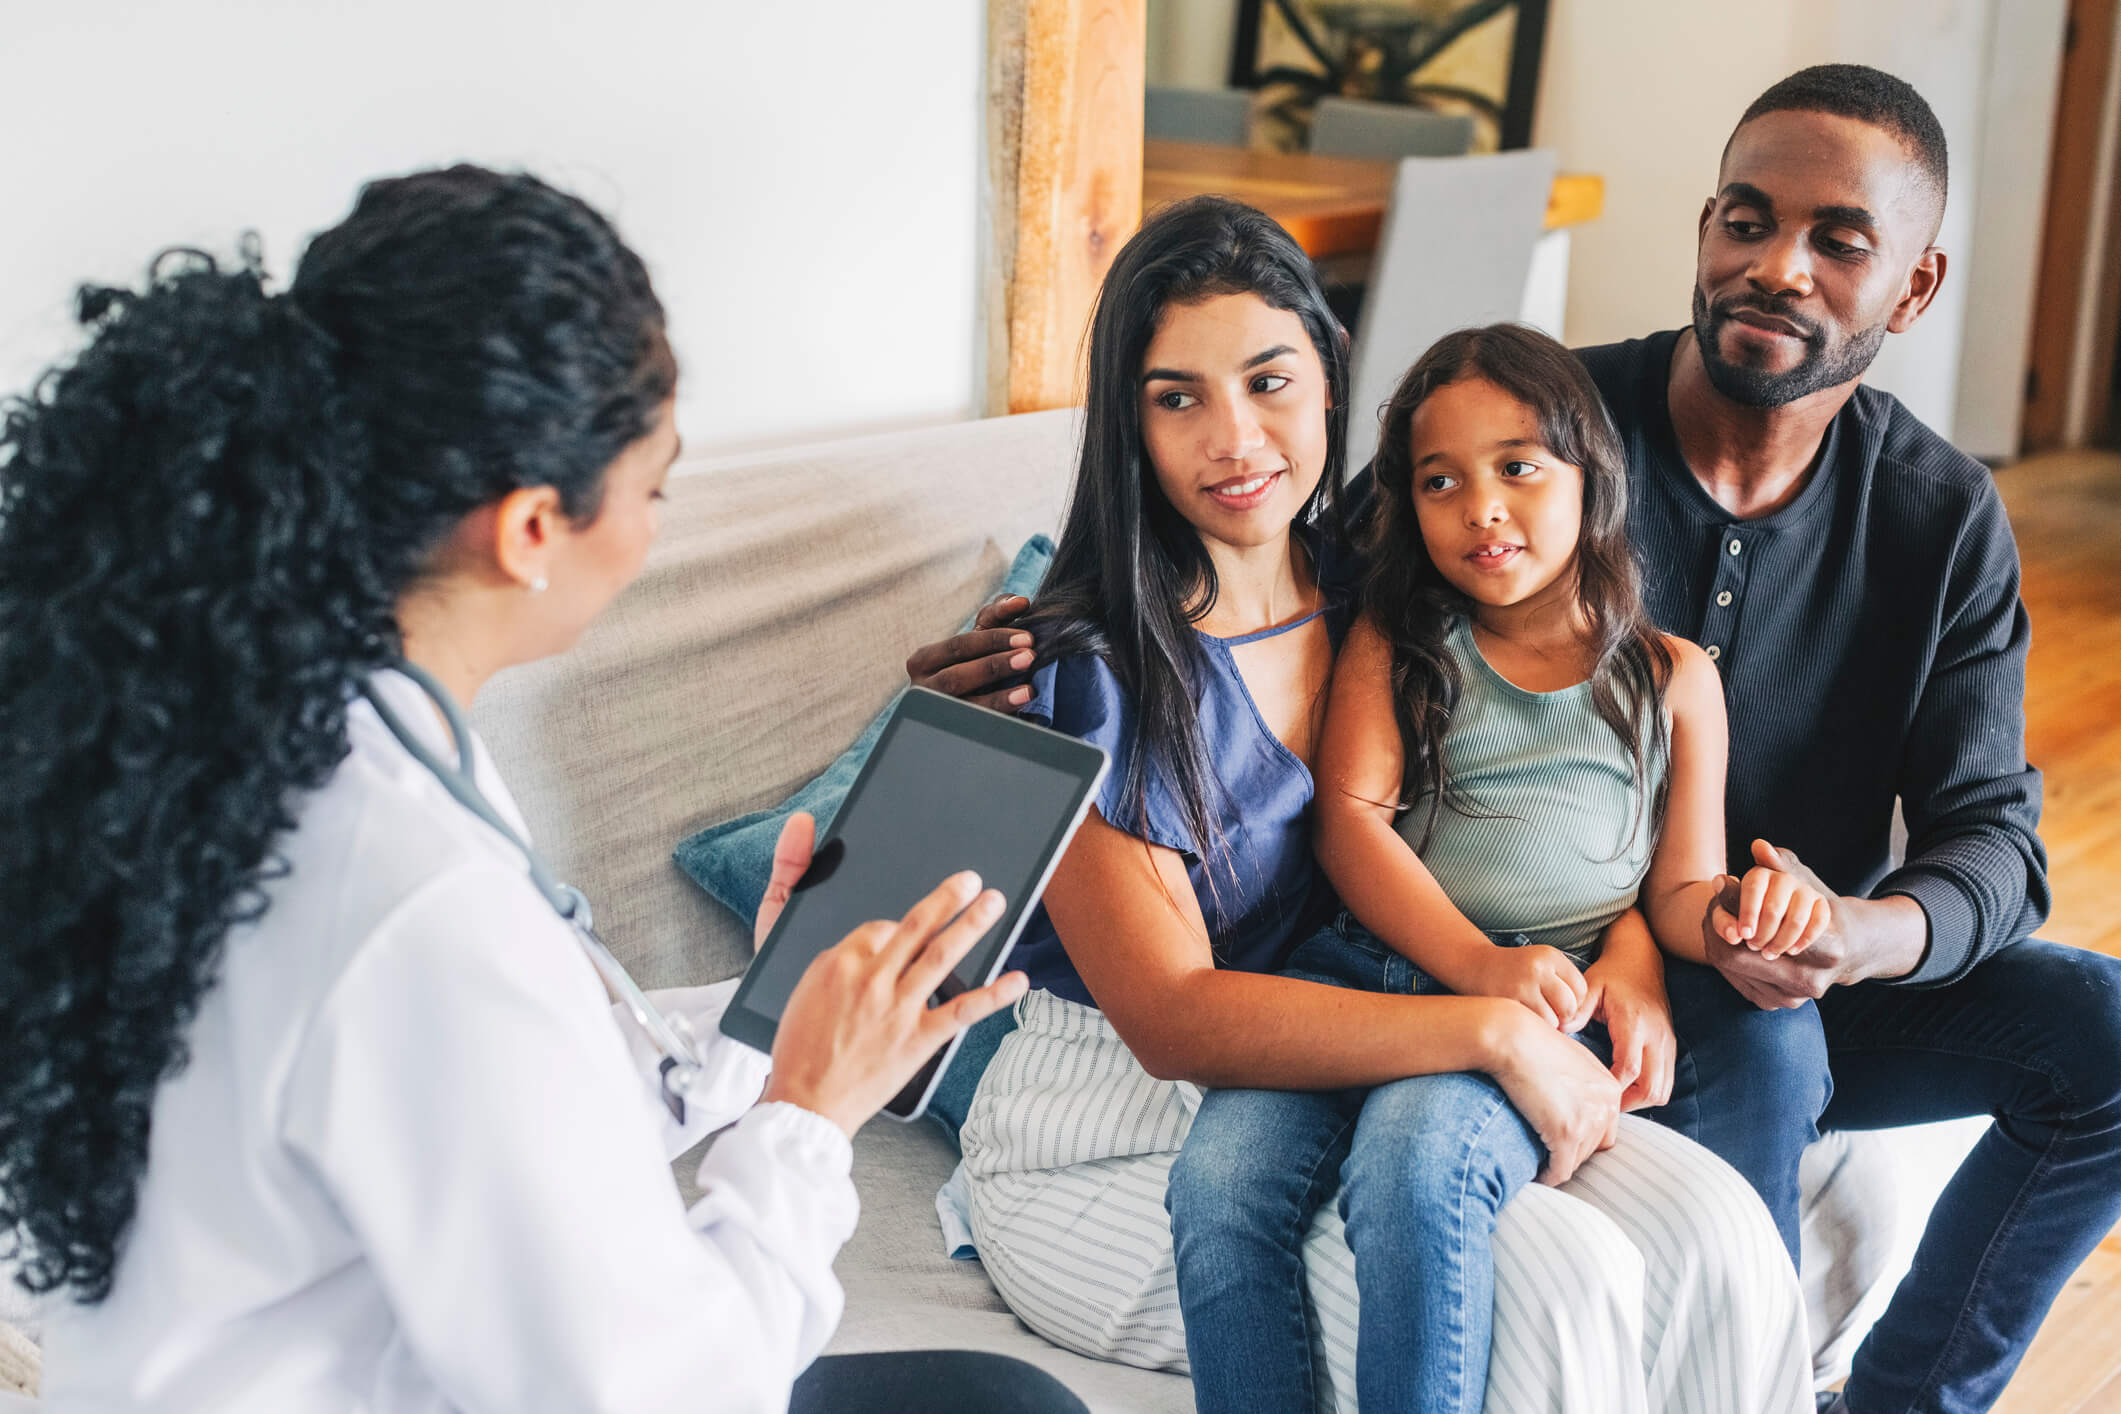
1479	57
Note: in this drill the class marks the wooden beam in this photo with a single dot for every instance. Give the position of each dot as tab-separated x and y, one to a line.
1070	74
2070	276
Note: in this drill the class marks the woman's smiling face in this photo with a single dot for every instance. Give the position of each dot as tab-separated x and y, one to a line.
1233	416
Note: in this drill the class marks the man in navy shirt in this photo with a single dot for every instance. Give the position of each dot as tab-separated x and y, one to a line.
1855	579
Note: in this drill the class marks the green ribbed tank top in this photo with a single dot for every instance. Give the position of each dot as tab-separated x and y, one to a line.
1558	846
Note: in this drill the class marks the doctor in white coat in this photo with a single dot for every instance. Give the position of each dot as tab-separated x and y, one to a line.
310	1101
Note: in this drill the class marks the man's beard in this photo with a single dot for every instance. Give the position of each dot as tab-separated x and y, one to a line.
1822	366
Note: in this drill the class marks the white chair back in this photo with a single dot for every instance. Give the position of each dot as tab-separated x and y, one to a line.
1455	251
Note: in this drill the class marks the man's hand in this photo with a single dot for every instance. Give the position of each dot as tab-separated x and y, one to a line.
969	665
1631	1001
1864	939
1543	979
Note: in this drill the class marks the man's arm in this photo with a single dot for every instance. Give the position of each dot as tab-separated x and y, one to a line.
1975	880
1881	939
1975	863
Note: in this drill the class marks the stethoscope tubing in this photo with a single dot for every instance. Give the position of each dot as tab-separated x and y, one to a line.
678	1063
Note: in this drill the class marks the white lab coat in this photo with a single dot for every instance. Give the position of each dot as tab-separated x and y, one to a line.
413	1165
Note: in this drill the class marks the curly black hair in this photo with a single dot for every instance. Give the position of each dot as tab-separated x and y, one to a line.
207	519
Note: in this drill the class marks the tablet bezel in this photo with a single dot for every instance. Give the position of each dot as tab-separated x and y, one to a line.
992	730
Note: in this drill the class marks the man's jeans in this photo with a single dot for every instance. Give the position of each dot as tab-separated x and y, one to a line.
1423	1165
2032	1036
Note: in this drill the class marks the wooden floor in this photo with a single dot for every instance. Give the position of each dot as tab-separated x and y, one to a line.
2066	509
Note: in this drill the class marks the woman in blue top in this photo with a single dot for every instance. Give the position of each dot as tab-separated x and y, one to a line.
1189	626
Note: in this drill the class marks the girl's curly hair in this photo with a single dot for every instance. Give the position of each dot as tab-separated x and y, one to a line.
207	519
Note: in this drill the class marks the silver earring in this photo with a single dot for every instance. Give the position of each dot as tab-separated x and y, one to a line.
538	585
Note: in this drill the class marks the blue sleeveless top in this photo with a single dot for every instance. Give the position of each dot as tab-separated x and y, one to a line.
1267	893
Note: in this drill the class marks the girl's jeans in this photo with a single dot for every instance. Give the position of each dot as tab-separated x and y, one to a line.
1422	1165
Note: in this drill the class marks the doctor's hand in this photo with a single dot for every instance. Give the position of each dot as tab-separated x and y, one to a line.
859	1025
791	856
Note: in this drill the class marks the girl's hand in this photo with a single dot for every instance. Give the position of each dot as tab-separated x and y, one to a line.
1569	1099
858	1025
1771	910
1638	1016
1543	979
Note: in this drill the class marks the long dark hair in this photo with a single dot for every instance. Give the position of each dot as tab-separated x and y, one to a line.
1130	576
1410	602
206	521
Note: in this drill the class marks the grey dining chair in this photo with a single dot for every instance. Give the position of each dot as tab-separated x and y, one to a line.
1219	115
1354	127
1455	251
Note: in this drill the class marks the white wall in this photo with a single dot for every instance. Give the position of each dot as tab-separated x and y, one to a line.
801	179
1645	92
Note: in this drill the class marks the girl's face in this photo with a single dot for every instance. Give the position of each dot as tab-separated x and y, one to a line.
1233	415
1499	512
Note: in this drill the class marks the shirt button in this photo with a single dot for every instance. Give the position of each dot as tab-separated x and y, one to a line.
1714	652
1736	546
1723	600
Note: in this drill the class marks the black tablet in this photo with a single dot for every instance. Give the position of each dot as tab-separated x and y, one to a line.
948	787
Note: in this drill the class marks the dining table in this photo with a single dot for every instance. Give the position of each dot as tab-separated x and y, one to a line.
1331	205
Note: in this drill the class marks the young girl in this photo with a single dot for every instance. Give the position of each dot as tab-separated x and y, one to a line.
1513	758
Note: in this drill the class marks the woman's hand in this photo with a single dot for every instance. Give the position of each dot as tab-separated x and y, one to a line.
1543	979
969	665
859	1026
1570	1100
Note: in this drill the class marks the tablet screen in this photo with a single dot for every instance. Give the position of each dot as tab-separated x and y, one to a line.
995	796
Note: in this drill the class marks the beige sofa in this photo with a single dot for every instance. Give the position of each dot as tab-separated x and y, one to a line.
772	622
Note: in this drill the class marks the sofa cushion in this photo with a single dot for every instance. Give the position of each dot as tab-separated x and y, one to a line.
733	860
771	622
904	1294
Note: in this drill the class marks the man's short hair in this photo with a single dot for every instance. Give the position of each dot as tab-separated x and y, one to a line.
1869	96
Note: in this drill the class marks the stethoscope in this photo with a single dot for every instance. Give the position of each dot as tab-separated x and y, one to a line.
680	1065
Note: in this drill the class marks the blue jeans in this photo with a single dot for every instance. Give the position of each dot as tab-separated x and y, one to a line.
1423	1165
2031	1036
1748	1085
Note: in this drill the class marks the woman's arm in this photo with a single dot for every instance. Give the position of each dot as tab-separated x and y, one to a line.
1128	916
1686	871
1361	766
468	1110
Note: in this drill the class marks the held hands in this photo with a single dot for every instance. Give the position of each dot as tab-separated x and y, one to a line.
1775	910
1790	976
969	665
858	1025
1542	978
